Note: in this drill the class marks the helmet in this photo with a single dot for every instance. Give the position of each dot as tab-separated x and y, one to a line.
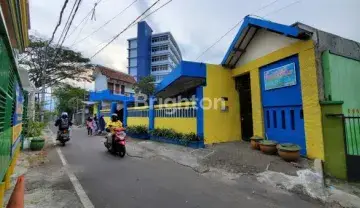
114	117
64	115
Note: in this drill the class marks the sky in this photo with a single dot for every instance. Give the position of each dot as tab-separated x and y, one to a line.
195	24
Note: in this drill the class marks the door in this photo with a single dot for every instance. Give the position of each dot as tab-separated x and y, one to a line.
282	102
244	90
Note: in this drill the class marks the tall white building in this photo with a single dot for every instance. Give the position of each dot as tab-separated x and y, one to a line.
152	54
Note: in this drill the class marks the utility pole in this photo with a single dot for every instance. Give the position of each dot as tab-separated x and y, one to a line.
83	112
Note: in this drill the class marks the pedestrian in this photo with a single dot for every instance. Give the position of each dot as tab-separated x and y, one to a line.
96	124
89	125
102	124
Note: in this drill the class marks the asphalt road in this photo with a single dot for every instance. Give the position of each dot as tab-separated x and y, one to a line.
129	182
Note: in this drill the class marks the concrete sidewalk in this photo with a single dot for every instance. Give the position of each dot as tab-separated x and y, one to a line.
235	163
46	182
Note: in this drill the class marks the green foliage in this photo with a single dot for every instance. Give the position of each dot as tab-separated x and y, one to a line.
268	142
35	128
145	85
289	147
68	98
137	129
60	63
172	134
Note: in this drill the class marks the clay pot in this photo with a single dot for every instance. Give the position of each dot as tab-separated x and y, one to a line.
289	152
254	142
268	147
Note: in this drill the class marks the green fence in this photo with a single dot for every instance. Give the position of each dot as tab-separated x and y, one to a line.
7	80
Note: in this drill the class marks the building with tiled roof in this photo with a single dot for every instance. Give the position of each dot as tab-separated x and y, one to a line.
118	83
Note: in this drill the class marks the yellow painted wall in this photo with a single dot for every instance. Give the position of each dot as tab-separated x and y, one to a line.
221	126
182	125
257	111
311	106
137	121
95	109
107	120
16	132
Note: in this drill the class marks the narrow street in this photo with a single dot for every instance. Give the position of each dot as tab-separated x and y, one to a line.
111	181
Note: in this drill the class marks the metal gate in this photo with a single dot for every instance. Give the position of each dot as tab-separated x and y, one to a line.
351	128
282	102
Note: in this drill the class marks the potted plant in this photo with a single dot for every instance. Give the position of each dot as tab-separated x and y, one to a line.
289	152
34	135
268	146
254	142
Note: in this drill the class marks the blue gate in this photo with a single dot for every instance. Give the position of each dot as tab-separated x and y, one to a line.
282	102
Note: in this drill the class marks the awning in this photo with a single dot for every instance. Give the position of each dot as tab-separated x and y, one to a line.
25	81
106	95
89	102
187	75
248	30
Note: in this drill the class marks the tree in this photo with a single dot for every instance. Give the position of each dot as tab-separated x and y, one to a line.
50	65
145	85
69	98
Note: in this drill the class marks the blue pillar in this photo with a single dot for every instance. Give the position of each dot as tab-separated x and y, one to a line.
113	108
99	109
125	114
151	113
199	113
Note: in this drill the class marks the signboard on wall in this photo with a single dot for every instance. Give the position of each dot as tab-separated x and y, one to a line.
283	76
19	105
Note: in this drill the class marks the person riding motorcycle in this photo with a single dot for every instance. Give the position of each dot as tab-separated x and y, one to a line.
63	123
112	125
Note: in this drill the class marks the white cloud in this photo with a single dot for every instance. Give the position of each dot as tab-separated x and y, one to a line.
195	24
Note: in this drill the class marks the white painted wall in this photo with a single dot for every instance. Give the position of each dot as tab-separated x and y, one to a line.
264	43
100	82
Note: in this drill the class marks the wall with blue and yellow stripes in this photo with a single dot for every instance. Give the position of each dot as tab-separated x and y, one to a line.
178	116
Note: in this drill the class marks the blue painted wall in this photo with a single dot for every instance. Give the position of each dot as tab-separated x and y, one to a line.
143	49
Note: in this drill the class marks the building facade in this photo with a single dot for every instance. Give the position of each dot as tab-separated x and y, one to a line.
118	83
288	83
14	25
152	54
112	89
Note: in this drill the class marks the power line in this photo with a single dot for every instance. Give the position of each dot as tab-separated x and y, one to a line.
72	19
154	11
66	28
271	3
77	37
59	21
87	15
67	21
140	19
116	36
107	22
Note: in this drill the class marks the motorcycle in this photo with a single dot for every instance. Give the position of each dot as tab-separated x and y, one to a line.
120	141
64	136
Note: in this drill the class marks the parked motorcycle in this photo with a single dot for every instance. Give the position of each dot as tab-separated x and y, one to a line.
119	144
64	136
